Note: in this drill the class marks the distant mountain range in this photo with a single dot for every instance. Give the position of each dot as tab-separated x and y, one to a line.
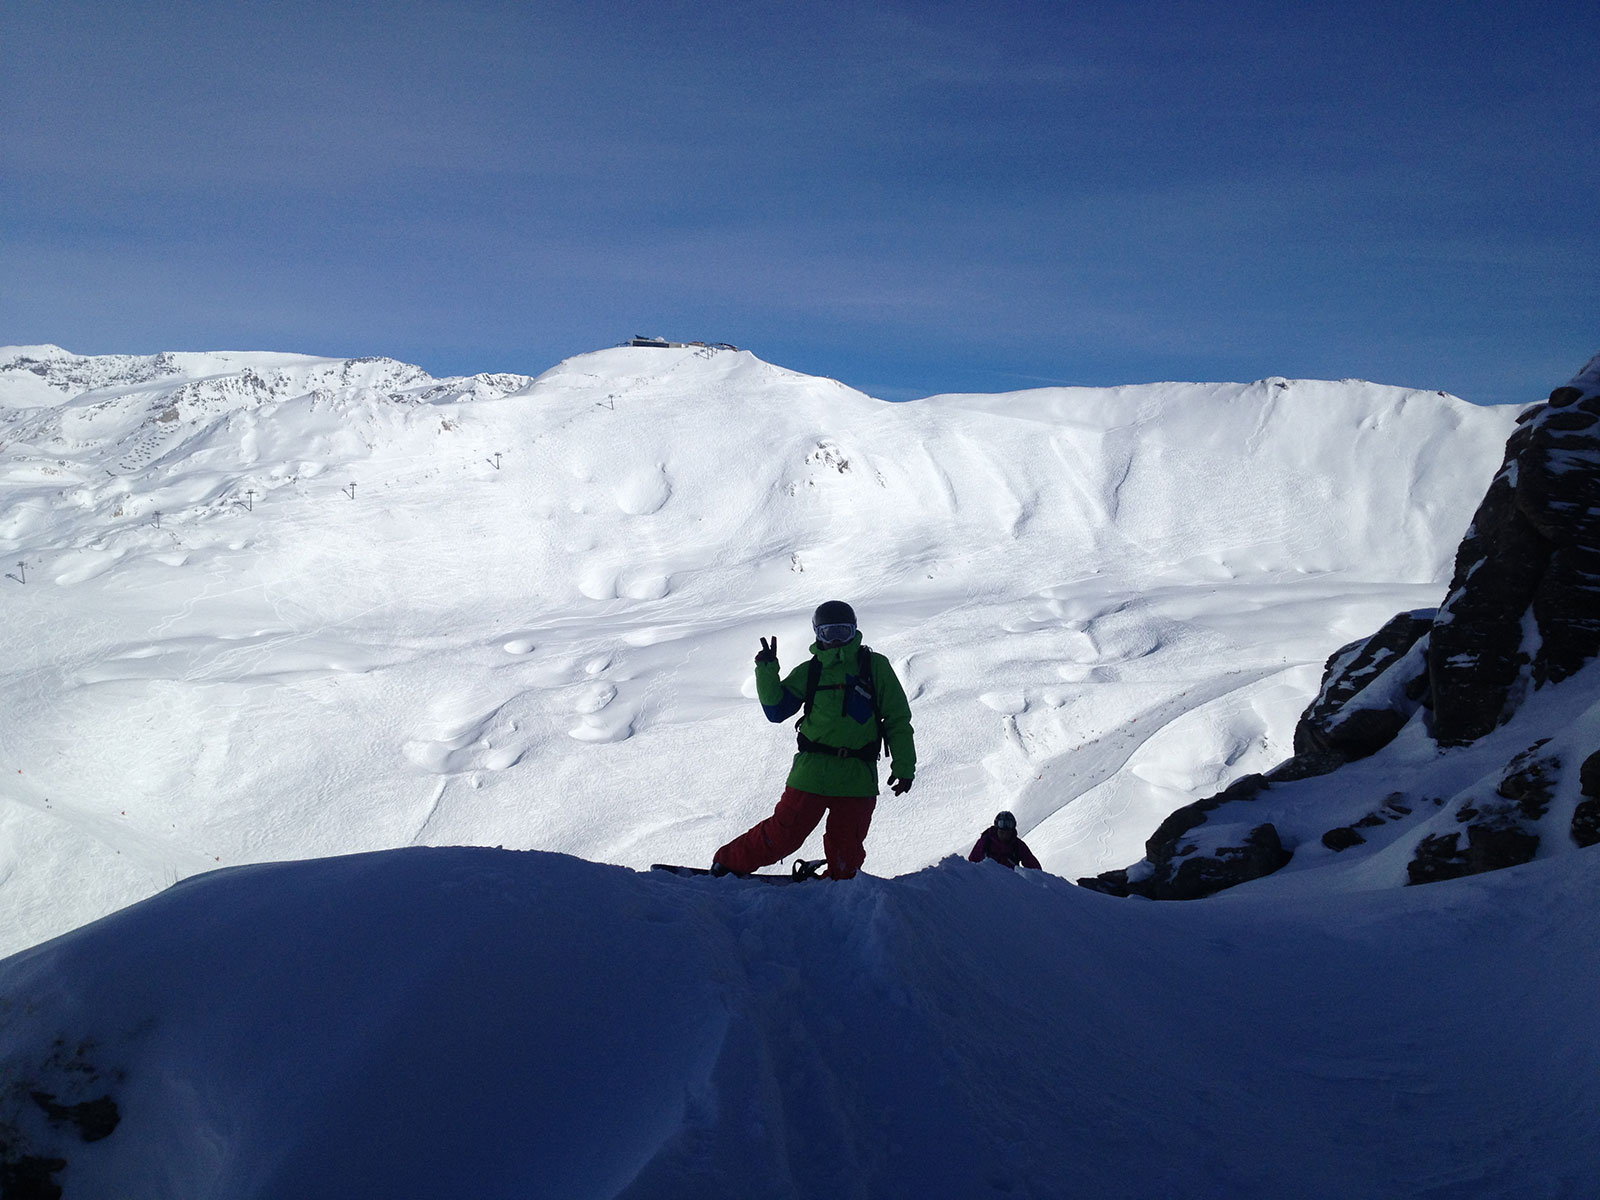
269	606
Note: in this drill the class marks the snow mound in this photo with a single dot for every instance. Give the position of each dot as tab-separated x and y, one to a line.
496	1024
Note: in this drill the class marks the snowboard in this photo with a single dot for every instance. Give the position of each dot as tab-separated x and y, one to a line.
802	870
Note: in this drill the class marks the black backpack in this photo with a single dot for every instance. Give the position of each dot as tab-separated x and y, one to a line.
863	686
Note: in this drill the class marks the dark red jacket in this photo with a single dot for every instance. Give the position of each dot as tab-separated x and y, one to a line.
1011	851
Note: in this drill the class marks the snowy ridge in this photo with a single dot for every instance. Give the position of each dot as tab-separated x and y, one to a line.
281	607
472	1021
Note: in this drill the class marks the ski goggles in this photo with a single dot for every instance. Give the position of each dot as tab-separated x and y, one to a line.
835	635
1005	821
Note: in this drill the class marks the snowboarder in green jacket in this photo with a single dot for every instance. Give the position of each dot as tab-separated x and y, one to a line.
852	705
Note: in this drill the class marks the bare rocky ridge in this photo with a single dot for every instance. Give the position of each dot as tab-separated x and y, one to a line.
1522	613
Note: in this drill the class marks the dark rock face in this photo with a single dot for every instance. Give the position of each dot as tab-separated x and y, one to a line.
31	1177
32	1153
1109	883
1533	548
1260	854
1181	872
1586	823
1165	839
1345	720
1589	776
1586	817
1560	492
1501	830
1437	857
1487	849
1475	649
1342	838
94	1119
1530	780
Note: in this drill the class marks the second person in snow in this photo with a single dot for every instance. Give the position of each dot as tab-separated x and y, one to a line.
1001	843
851	703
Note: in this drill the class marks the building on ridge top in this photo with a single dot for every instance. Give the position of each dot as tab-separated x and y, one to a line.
662	344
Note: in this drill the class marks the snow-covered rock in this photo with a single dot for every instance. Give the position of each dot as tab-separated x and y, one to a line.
1526	588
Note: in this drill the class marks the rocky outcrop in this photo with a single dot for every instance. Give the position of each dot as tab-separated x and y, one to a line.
1347	837
93	1119
30	1177
1184	874
1476	650
1522	612
1586	817
1179	865
37	1129
1500	830
1526	589
1370	689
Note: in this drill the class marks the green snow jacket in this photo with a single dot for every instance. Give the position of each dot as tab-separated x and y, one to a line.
841	717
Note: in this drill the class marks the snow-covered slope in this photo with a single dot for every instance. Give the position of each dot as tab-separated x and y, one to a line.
473	1022
268	606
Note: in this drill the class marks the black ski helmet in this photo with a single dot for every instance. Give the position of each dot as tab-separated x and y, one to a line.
836	618
1004	820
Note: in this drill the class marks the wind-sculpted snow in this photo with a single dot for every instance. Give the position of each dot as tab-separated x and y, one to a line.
474	1022
270	606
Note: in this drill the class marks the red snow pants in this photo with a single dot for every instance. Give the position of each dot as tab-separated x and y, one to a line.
781	834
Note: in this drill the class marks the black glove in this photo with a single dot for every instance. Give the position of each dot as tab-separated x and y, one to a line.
767	654
899	786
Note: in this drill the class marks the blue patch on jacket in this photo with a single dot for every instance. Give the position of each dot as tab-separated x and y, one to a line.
784	708
857	700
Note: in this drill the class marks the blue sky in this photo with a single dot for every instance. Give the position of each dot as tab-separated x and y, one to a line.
911	198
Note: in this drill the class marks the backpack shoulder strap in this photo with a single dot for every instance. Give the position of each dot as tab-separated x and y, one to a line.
864	673
813	676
